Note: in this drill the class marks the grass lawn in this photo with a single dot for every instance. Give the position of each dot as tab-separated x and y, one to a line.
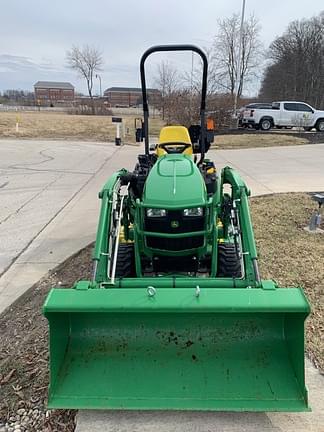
293	257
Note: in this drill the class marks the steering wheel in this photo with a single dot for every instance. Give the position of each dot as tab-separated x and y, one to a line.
172	148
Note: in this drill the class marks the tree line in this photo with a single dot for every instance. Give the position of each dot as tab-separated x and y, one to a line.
18	96
296	64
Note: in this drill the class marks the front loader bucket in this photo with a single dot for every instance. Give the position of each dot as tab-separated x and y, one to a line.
227	349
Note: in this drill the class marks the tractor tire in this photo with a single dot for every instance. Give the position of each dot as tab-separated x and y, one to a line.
125	266
229	264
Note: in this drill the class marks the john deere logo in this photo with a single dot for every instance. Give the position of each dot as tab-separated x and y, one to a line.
174	224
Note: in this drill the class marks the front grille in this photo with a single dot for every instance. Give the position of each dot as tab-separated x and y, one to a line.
176	244
167	225
185	224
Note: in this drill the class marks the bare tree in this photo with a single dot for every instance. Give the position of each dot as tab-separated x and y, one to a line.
193	80
226	53
86	62
167	81
192	84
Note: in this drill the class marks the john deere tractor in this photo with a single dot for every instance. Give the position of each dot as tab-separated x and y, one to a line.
176	315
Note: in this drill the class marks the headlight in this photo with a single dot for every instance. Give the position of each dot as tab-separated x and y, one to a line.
197	211
154	212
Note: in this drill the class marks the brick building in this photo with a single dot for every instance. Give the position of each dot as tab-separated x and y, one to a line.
51	91
130	96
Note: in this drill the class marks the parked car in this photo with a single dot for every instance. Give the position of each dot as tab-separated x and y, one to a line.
285	114
249	107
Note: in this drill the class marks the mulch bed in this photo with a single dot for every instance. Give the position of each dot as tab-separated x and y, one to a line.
287	253
312	137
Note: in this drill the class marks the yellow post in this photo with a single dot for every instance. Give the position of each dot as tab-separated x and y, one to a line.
17	122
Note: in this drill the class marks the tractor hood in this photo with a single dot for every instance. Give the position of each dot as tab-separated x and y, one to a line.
175	181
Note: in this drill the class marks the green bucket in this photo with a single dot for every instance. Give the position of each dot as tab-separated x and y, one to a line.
228	349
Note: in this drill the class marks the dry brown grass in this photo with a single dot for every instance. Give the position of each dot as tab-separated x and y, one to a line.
65	126
293	257
256	140
52	125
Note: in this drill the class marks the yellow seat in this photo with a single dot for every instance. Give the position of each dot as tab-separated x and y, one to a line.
174	139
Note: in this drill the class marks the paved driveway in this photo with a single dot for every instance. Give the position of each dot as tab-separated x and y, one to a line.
277	169
49	205
37	180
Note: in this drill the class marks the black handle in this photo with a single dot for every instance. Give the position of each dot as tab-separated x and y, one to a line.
185	47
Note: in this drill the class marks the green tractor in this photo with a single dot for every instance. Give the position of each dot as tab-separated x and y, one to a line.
176	315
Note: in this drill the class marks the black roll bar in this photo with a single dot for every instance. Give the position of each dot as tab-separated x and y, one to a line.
185	47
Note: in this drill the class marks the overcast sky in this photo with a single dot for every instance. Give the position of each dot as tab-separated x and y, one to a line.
35	34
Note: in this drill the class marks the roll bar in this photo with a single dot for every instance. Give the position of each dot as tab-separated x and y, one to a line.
185	47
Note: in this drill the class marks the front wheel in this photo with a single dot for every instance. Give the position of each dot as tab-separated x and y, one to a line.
229	263
320	125
265	124
125	266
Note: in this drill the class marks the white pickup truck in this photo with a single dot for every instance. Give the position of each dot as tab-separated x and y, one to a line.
285	114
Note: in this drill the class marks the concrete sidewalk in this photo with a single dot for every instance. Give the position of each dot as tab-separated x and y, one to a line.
202	421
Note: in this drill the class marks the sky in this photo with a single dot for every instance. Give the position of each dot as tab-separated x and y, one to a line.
35	34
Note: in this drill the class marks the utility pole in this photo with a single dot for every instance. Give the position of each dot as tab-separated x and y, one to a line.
239	64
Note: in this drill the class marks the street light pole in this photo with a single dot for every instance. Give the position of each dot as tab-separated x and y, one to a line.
99	77
239	63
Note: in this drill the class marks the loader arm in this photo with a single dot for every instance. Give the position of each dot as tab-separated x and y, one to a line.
103	250
240	194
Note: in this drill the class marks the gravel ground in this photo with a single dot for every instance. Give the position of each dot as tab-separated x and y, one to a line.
287	253
24	355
